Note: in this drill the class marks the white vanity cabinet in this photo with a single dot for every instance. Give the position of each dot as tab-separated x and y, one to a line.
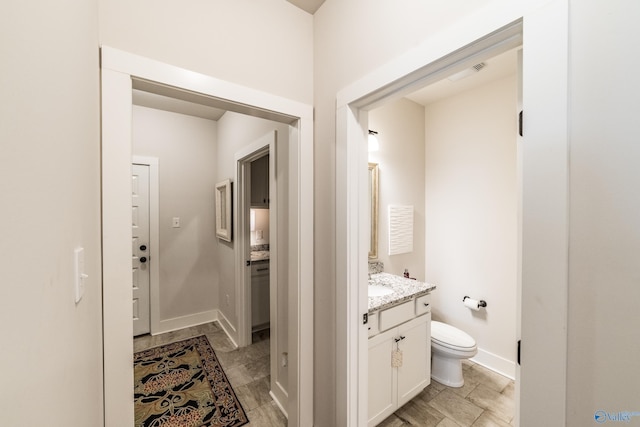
391	387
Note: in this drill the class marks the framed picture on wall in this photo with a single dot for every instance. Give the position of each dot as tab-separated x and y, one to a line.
223	210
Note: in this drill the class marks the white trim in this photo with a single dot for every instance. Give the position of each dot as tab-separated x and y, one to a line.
278	404
154	239
187	321
543	289
495	363
226	327
118	70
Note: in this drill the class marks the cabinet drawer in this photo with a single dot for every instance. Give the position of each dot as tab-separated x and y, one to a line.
423	304
396	315
372	323
260	269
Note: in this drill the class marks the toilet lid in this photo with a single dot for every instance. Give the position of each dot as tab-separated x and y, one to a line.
448	335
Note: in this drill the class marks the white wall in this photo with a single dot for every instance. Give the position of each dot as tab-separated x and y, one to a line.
604	271
471	215
401	164
185	147
261	224
266	45
50	188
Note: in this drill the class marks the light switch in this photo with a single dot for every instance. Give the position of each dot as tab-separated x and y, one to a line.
176	222
79	274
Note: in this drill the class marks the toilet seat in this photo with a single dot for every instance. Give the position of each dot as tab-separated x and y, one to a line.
450	337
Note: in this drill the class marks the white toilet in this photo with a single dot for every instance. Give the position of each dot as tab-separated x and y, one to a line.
449	345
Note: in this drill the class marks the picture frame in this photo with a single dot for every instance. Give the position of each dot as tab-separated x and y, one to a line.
224	219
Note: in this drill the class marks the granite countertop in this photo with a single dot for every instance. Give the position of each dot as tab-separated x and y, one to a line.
403	290
259	256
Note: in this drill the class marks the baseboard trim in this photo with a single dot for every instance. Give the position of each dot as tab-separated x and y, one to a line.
187	321
278	404
495	363
227	327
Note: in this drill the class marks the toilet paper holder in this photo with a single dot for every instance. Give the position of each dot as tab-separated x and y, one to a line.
481	303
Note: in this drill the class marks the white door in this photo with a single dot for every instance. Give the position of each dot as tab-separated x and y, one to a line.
140	249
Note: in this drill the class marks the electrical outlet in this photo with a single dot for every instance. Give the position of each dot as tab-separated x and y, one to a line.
285	359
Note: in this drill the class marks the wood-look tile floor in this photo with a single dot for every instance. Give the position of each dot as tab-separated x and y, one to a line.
485	400
247	368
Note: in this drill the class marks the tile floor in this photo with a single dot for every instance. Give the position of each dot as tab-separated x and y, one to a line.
247	369
485	400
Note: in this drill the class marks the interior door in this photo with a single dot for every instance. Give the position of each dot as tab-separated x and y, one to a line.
140	249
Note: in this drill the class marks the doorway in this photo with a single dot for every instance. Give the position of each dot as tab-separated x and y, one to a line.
261	258
120	71
543	266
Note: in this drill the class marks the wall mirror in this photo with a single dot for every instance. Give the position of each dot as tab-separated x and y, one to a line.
223	210
373	210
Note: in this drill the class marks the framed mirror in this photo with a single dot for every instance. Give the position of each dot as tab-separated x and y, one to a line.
223	210
373	210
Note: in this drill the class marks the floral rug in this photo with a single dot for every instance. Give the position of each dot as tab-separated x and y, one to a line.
183	385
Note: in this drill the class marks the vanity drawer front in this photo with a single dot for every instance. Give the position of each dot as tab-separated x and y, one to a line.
373	324
423	304
396	315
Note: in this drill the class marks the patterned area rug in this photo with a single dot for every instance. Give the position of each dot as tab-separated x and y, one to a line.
183	385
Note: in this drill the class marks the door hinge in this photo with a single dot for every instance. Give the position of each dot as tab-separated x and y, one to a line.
365	318
518	358
520	123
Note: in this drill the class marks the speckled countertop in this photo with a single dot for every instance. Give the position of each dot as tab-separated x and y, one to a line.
403	290
259	256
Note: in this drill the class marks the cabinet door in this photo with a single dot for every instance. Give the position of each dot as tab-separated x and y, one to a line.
260	182
415	373
382	377
260	294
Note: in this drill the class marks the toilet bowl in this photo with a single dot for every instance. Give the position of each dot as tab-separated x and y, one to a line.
449	345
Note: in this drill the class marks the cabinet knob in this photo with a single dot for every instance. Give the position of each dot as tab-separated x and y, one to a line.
143	259
143	247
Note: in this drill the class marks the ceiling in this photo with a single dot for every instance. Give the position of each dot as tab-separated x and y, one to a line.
307	5
496	68
174	105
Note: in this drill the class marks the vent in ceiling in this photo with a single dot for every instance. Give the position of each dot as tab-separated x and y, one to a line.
468	72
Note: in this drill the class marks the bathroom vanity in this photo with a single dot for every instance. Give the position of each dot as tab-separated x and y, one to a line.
399	321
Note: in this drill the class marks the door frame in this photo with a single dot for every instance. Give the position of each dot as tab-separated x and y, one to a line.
154	239
263	146
267	144
120	71
543	274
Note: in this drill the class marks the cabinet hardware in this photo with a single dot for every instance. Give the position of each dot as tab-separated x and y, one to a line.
400	338
426	304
